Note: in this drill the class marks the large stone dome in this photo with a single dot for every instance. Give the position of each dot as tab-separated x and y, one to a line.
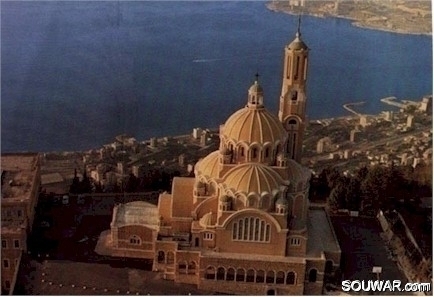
252	124
253	178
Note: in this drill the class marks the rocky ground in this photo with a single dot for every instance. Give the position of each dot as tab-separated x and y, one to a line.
400	16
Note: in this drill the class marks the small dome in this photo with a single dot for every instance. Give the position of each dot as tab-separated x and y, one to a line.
253	177
281	202
206	220
208	166
254	125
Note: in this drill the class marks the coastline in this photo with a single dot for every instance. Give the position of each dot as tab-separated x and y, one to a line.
354	22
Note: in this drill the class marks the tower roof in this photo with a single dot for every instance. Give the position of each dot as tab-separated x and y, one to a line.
297	43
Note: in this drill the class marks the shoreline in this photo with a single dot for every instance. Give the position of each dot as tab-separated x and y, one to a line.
354	22
183	135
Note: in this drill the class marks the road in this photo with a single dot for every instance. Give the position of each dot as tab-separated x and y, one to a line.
362	249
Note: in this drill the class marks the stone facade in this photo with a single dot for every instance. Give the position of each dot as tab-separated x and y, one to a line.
20	183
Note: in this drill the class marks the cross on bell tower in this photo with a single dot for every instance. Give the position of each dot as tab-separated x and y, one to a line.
292	105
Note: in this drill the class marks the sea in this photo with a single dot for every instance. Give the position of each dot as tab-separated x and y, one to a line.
74	74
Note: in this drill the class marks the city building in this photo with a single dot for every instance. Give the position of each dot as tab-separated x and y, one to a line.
243	224
20	185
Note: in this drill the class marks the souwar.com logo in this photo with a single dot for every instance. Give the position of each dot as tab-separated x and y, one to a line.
384	286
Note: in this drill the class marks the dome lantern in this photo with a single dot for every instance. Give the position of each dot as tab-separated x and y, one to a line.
256	95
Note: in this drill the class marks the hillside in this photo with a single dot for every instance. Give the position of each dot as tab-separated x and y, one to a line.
400	16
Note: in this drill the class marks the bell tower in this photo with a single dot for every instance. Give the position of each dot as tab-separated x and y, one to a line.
292	105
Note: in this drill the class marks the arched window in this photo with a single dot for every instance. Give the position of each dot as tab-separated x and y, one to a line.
230	275
288	67
240	230
267	233
135	240
270	277
210	272
161	257
251	201
170	257
191	269
290	278
297	68
246	229
221	273
250	276
256	228
260	276
240	275
182	267
312	275
254	153
242	151
234	230
267	152
265	202
280	277
262	230
292	124
251	229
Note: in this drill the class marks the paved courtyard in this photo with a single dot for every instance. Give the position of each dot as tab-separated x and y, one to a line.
54	277
61	259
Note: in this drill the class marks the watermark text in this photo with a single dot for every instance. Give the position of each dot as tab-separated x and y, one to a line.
384	286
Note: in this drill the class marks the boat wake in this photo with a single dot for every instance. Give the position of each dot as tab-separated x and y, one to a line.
206	60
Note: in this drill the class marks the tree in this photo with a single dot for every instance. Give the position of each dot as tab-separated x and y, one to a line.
132	183
74	188
353	198
337	196
85	185
333	177
375	185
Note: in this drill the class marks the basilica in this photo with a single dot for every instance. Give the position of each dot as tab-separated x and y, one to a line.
243	224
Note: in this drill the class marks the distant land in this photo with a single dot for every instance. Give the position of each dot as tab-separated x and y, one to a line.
400	16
